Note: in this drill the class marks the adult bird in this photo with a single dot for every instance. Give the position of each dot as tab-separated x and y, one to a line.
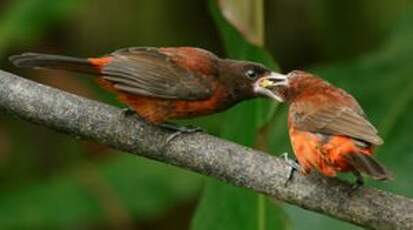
161	84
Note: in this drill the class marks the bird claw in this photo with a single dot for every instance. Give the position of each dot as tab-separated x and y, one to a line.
179	130
127	112
294	166
359	181
292	163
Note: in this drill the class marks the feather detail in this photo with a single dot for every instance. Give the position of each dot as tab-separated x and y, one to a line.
367	164
332	119
149	72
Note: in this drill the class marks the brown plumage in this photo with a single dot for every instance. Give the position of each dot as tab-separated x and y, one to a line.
164	83
328	129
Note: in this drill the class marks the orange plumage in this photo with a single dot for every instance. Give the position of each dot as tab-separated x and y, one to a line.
328	157
328	129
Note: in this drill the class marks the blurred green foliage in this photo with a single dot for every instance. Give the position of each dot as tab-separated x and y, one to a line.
26	20
221	203
92	193
55	181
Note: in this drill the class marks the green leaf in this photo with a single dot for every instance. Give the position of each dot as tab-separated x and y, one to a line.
231	208
251	114
247	16
14	22
125	189
224	206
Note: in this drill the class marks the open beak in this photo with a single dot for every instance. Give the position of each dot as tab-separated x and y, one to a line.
266	85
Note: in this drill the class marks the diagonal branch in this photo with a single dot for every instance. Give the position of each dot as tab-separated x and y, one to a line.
227	161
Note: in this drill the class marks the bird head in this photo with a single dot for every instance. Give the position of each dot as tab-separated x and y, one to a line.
249	79
289	86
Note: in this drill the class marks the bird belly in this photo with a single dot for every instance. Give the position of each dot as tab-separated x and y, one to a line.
219	101
325	153
158	110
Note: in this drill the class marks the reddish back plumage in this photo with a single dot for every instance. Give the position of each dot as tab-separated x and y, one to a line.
193	59
328	129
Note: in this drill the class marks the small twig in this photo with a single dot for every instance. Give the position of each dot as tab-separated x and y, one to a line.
230	162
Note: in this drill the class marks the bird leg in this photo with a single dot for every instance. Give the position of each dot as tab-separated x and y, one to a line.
178	130
294	166
127	112
359	180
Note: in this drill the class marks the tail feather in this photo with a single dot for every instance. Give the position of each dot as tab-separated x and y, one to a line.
370	166
36	60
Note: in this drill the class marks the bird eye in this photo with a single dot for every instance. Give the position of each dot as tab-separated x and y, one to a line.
251	74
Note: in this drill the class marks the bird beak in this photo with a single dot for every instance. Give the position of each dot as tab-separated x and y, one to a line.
265	85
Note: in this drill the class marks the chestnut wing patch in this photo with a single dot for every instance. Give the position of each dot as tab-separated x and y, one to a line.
148	72
337	120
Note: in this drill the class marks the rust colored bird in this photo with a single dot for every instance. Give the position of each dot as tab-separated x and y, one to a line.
328	129
161	84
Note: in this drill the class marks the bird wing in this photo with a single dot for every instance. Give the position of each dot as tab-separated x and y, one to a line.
149	72
336	119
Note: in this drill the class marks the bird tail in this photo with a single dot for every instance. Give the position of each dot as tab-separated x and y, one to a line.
49	61
367	164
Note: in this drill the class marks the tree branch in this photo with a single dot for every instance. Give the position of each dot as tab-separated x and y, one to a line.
200	152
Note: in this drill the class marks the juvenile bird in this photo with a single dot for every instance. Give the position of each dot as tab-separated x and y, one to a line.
328	129
161	84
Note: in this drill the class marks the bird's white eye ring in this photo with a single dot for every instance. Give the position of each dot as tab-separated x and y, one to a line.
251	74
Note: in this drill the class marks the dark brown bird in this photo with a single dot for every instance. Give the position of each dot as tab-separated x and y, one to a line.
328	129
165	83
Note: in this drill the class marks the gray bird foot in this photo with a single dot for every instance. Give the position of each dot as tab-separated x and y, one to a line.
127	112
178	130
294	166
359	181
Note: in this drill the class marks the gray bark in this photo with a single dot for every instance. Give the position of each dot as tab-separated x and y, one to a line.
203	153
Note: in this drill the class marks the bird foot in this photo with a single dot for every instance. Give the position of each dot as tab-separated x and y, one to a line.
178	130
359	181
294	166
127	112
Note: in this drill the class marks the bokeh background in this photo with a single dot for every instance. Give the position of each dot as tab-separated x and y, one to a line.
51	180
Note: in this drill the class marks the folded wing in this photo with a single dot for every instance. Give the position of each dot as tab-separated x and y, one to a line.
149	72
335	119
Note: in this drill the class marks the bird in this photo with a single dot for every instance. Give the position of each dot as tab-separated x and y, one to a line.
163	84
328	129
